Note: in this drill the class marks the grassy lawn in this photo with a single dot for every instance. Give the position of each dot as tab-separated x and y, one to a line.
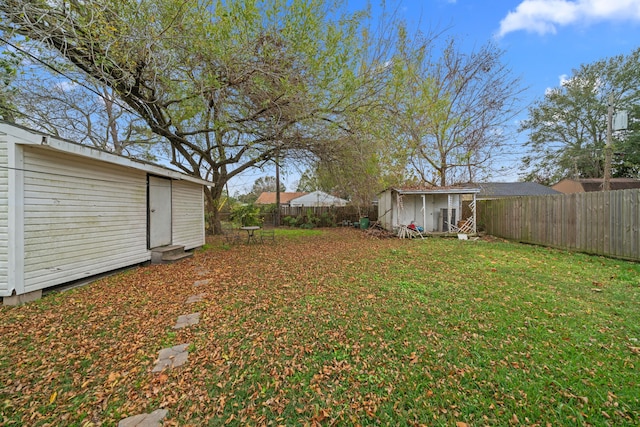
332	328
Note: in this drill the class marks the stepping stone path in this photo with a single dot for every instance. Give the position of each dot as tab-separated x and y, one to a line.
202	282
153	419
202	272
187	320
195	298
171	357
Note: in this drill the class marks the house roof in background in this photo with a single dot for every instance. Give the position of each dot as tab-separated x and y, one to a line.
269	198
437	190
595	184
513	189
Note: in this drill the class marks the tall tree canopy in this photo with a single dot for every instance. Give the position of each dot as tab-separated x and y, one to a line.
235	84
229	85
568	127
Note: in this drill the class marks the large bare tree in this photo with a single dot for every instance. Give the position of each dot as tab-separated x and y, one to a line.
451	108
80	109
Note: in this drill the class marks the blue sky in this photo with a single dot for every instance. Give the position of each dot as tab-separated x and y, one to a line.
543	40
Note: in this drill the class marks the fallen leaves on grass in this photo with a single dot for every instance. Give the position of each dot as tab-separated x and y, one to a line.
334	329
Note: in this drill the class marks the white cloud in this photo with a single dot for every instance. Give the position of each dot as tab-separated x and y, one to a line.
566	81
563	79
544	16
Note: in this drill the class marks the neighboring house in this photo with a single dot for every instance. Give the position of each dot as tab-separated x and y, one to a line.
433	209
269	198
69	211
569	186
316	199
496	190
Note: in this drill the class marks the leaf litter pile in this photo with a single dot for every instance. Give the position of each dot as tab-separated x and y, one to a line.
335	328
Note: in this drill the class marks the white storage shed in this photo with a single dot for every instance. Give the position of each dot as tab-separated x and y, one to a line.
68	211
437	209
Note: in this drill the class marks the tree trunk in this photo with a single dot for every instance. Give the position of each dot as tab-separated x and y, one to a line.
443	174
276	217
213	204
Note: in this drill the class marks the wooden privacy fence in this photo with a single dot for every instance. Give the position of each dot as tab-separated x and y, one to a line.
341	212
337	213
604	222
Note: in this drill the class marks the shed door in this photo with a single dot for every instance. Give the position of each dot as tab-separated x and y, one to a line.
159	211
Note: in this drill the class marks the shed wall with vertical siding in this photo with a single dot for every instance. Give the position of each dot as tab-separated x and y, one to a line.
82	217
188	214
410	211
385	210
4	216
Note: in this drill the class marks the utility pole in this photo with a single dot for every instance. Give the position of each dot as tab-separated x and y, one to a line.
276	217
606	184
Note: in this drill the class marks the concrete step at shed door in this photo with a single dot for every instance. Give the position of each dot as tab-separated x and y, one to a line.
168	254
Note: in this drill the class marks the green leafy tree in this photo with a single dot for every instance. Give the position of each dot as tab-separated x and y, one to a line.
364	163
9	63
266	183
567	129
229	85
308	181
246	215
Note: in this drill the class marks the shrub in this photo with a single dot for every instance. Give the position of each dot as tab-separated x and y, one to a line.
246	215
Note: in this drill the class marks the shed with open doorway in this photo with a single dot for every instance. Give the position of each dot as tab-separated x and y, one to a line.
69	211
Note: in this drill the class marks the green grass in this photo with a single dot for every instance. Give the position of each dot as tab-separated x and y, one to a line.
333	328
296	233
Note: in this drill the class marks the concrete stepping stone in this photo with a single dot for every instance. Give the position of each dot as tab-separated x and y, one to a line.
202	272
153	419
195	298
171	357
202	282
187	320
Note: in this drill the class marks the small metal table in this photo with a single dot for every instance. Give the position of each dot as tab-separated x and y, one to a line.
250	233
